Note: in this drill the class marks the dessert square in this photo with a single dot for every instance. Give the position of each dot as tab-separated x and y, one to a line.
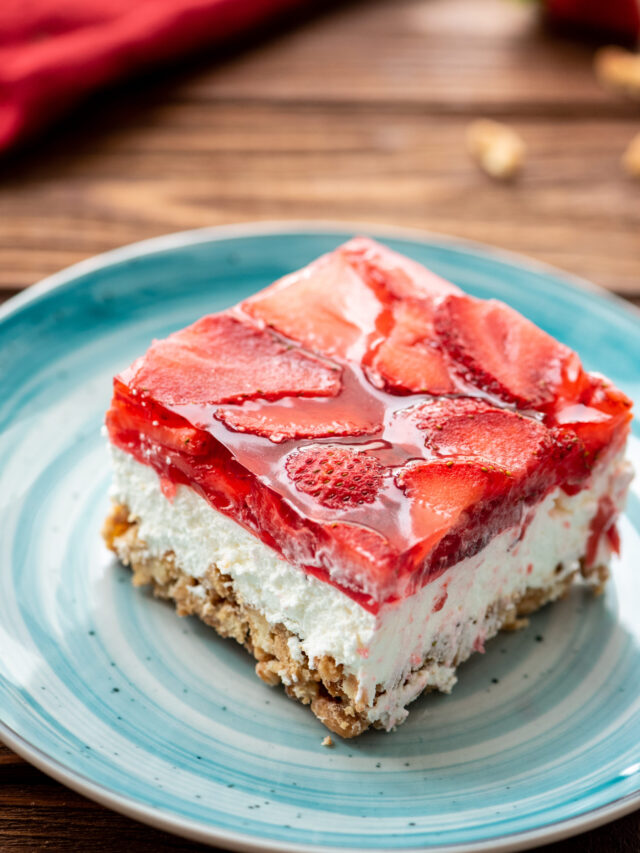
362	474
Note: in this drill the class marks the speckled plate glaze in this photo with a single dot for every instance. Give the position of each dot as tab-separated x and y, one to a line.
107	690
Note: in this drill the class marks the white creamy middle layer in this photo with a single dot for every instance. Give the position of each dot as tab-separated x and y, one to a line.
446	616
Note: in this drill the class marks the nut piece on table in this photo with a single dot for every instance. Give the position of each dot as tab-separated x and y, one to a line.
618	69
631	157
496	148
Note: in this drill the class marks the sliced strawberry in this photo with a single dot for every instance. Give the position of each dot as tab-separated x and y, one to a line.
364	562
534	457
500	351
456	509
600	419
326	306
280	423
399	276
337	476
440	494
409	359
569	459
221	359
472	429
155	426
594	427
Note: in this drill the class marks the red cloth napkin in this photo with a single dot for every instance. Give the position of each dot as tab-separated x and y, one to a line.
54	52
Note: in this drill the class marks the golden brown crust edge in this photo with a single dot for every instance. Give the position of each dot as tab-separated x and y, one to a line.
322	684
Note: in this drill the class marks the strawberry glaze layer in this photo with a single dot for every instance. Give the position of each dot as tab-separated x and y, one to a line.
368	420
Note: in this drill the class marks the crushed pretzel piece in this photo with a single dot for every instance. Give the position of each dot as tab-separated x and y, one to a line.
496	148
631	157
618	69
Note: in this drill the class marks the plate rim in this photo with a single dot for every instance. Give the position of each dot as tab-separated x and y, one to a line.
196	830
246	843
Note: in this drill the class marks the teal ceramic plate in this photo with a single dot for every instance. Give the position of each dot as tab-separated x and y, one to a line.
107	690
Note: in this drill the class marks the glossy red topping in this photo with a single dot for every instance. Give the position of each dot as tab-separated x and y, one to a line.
367	419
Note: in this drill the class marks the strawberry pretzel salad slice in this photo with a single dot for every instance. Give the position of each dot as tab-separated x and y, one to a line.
362	474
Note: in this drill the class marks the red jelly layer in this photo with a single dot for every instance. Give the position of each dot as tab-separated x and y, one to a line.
367	420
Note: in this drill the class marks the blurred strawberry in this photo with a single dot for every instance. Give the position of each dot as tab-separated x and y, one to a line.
600	17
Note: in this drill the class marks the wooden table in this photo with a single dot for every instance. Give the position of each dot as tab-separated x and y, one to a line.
357	114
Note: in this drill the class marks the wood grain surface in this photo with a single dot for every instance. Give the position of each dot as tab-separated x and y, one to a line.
356	114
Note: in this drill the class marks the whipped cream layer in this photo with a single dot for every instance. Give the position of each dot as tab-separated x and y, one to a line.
445	620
